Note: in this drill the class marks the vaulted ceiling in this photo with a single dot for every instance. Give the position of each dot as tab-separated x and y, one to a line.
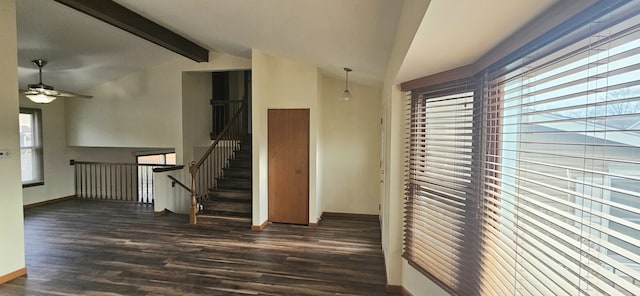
331	34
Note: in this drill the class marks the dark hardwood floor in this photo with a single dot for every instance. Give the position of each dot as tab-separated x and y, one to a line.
79	247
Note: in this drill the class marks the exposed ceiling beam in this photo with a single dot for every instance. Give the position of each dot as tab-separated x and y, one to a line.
123	18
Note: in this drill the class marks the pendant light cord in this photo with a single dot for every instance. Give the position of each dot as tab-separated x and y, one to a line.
346	79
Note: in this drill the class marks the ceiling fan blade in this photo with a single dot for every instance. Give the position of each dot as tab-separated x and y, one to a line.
54	93
29	91
67	94
50	92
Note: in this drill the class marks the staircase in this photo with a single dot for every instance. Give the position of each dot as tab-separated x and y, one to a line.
231	198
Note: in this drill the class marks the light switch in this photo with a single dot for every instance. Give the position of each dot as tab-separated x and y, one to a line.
5	153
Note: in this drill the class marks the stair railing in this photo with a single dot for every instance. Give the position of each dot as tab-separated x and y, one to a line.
115	181
205	172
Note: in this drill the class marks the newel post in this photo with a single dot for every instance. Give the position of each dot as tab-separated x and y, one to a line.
193	170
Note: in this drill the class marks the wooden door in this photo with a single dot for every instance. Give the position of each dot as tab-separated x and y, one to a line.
288	165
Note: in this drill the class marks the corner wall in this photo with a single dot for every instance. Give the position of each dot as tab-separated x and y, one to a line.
11	217
279	83
196	114
350	148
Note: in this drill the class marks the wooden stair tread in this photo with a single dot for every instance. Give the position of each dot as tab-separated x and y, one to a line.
219	214
232	198
224	199
227	190
236	169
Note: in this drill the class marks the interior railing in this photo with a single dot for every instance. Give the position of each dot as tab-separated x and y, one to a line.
175	181
205	171
115	181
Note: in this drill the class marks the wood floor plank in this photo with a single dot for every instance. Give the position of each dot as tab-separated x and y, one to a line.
79	247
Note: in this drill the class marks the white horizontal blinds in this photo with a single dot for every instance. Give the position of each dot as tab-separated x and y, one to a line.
438	182
561	192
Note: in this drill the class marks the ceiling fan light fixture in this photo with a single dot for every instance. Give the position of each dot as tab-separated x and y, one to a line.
41	98
43	94
346	94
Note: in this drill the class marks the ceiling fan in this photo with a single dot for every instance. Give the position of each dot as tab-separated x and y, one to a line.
42	93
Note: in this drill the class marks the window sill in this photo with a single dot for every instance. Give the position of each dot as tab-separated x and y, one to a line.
34	184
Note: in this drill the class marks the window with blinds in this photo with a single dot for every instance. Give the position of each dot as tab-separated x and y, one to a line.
31	164
439	188
532	187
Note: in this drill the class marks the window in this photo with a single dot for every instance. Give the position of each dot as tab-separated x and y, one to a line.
160	158
535	190
145	173
31	147
439	177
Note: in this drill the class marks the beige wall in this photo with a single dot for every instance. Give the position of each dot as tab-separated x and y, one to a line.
344	143
58	174
350	148
399	273
143	109
11	219
279	83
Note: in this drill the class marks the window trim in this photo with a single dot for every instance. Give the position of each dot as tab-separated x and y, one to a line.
38	146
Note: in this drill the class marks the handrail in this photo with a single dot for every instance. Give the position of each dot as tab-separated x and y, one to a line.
215	143
233	132
74	162
174	181
168	169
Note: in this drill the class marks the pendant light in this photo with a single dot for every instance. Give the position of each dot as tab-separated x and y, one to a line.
346	94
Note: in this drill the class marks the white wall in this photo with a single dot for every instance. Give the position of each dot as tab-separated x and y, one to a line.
196	113
143	109
279	83
320	161
196	128
159	109
350	145
11	218
58	174
416	283
173	198
260	88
